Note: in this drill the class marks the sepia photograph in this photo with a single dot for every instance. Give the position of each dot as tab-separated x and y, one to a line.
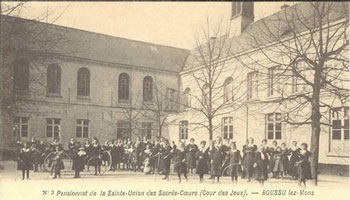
174	100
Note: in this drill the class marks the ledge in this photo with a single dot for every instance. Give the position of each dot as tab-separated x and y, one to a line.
333	155
54	95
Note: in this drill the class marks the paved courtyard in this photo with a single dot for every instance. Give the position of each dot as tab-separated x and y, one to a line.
118	185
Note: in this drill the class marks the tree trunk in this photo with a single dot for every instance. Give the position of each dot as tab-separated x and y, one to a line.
315	126
210	129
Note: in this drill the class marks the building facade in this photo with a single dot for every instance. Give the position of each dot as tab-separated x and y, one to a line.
70	83
257	94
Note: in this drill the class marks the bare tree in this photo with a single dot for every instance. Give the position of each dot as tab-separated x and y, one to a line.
158	104
207	65
307	46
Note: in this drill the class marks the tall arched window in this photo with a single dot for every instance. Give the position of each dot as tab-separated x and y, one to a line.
205	91
147	88
228	89
187	97
21	75
83	82
123	87
53	79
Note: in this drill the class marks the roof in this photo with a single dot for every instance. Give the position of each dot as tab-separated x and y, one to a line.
23	34
275	27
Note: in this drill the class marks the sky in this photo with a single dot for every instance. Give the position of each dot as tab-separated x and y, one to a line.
166	23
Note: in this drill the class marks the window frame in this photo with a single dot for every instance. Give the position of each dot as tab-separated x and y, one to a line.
252	85
52	124
21	73
341	116
123	125
228	90
147	90
53	81
183	130
123	87
83	82
84	123
187	97
146	128
20	125
276	124
227	123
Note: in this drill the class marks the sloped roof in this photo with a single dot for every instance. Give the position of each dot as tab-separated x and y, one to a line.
22	34
276	26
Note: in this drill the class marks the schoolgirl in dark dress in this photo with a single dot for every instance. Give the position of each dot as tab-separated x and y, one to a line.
260	165
87	148
180	165
44	150
217	156
248	161
78	160
119	154
71	146
96	156
24	161
57	163
165	159
234	161
191	150
285	160
36	157
294	152
303	165
156	158
278	163
243	158
202	158
271	153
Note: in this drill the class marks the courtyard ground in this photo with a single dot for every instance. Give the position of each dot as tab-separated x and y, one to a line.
136	185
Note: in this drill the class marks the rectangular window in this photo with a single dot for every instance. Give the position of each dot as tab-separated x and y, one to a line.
273	82
274	126
170	94
295	83
270	74
252	79
53	128
21	126
183	130
147	130
82	128
227	127
340	129
123	130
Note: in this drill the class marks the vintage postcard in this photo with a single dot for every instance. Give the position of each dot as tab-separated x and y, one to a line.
174	100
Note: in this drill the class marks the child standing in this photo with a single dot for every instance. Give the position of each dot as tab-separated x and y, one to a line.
278	163
147	169
202	157
285	160
260	165
248	161
57	164
78	160
180	161
96	155
234	161
292	169
191	150
217	158
24	162
303	165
